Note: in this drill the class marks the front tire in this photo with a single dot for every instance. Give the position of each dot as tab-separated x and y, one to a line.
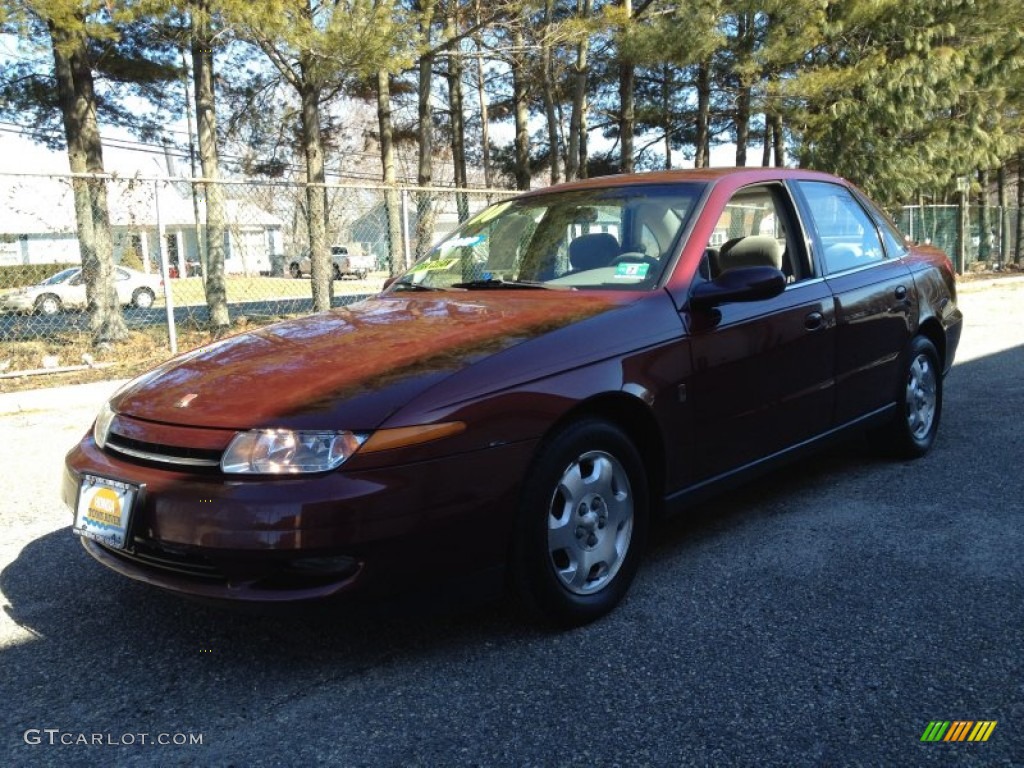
582	524
48	304
912	430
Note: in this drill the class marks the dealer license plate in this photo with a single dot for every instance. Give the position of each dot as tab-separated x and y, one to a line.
104	510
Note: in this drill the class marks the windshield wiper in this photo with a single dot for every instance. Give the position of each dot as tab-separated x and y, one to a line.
404	286
473	285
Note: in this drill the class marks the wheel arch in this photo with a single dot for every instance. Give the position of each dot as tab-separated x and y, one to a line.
931	329
635	418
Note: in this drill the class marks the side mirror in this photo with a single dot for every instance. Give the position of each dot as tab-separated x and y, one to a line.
389	282
740	284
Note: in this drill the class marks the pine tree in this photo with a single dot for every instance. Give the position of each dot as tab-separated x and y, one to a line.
908	95
97	56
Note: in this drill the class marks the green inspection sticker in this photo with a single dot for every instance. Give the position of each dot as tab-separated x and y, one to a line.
435	266
628	270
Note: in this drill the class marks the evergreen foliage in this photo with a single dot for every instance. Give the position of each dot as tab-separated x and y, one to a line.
901	96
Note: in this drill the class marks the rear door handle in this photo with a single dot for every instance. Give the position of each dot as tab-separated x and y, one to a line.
814	321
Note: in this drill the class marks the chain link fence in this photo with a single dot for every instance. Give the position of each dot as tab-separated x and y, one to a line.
162	241
976	238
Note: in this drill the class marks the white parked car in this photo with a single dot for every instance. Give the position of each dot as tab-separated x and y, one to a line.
66	290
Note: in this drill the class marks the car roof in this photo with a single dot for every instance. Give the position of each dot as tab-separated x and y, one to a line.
738	176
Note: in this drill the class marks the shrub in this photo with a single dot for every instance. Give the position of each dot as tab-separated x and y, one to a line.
132	260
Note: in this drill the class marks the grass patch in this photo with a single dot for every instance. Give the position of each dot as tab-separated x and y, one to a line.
188	291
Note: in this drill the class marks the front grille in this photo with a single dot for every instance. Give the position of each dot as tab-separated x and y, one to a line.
160	558
163	454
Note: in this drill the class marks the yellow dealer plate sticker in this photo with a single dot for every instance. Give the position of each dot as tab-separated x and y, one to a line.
104	510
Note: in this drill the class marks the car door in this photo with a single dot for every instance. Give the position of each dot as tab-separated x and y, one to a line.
874	294
762	371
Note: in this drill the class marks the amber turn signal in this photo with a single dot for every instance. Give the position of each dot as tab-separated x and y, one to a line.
403	437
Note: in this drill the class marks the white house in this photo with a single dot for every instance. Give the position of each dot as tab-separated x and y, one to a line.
37	224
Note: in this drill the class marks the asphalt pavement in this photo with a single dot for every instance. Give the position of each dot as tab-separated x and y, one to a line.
825	615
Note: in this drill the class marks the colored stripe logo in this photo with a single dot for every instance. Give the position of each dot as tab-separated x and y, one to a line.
959	730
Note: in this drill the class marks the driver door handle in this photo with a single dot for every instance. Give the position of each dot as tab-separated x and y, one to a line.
814	321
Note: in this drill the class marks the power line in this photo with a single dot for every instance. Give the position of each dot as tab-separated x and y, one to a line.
178	154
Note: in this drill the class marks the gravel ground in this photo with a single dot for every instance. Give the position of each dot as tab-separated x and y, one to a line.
823	617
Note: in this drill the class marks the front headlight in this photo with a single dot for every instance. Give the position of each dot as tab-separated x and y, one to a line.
101	427
284	452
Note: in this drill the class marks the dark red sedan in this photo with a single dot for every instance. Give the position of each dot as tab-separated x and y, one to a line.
514	410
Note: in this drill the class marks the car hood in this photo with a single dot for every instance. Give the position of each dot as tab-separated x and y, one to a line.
348	368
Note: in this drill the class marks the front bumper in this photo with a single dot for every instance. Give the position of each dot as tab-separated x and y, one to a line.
343	534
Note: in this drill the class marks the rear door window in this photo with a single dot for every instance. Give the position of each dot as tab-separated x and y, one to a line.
848	236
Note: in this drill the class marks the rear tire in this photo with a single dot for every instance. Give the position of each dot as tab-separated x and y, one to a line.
911	431
143	298
582	524
294	271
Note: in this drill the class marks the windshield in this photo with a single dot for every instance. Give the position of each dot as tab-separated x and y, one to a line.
617	237
60	277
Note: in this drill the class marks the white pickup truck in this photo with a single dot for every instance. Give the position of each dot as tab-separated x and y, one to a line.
349	259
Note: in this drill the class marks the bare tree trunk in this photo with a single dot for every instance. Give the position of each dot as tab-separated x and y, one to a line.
666	111
549	98
778	141
575	166
387	158
1018	250
458	119
316	193
920	235
745	44
1004	217
188	82
984	218
206	113
766	150
627	104
85	155
522	115
701	159
425	214
485	128
627	116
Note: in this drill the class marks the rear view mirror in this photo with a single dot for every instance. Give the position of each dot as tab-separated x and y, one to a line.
739	284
